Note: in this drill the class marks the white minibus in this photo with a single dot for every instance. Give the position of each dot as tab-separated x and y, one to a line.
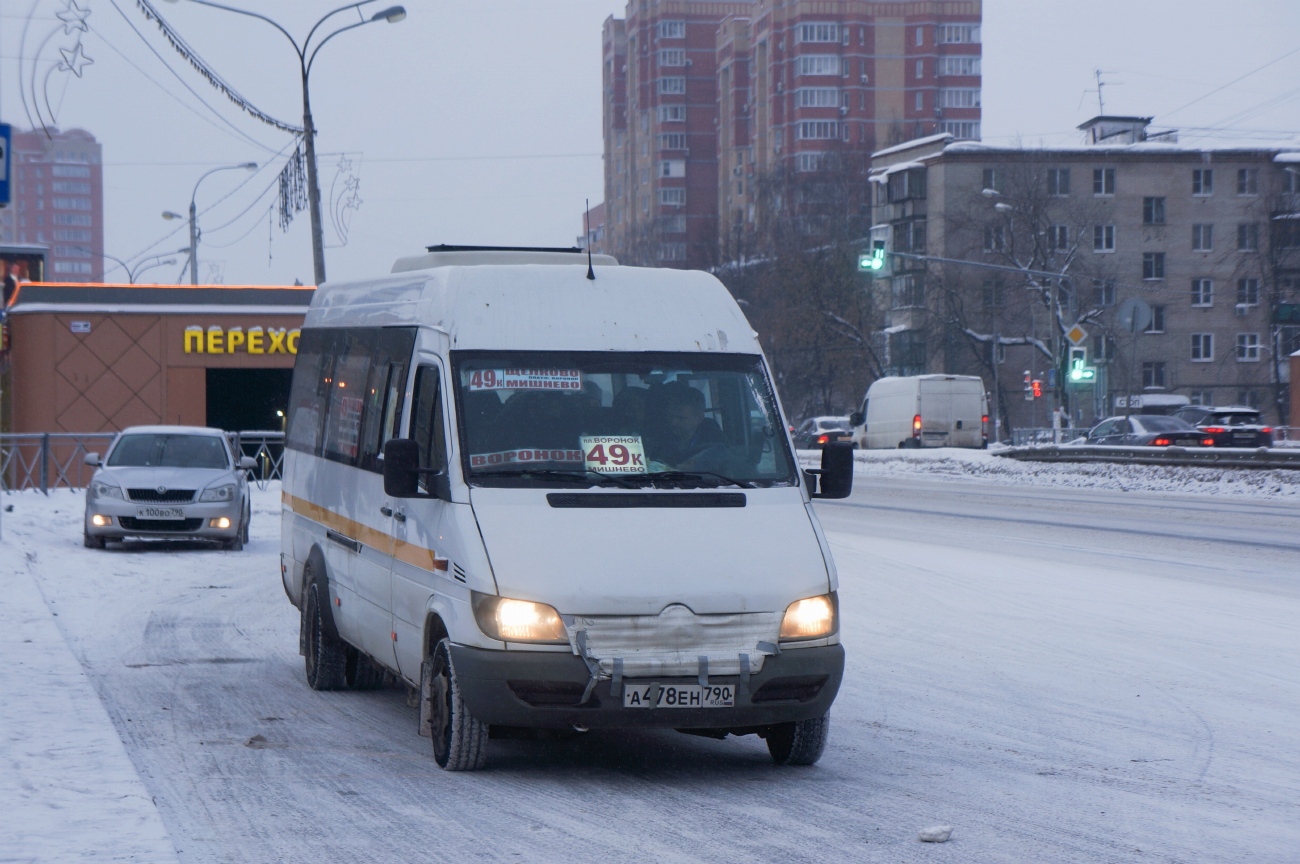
545	491
923	411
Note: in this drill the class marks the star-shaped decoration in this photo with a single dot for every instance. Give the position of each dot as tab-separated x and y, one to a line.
74	18
352	184
345	165
75	60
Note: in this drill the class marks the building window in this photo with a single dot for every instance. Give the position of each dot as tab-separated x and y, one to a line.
80	267
1247	236
1202	397
69	188
1203	293
1058	182
673	224
1153	376
1103	181
994	239
672	57
672	251
810	161
1103	238
920	69
672	29
1247	347
672	113
959	66
672	168
992	294
920	100
818	130
1105	292
1157	324
992	179
1202	347
819	64
674	197
907	292
1202	238
1249	398
1103	348
920	37
1153	211
1248	181
819	32
70	219
817	97
74	236
1153	265
672	86
67	171
963	129
1058	237
955	34
672	141
964	97
1247	292
70	251
1203	181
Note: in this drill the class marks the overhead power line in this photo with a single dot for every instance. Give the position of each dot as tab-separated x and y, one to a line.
1232	82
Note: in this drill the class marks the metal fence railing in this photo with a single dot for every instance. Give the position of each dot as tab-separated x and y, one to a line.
45	461
1283	436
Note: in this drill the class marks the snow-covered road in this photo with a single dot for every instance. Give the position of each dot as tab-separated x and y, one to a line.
1060	674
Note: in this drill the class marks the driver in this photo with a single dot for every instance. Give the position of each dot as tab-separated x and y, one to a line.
690	433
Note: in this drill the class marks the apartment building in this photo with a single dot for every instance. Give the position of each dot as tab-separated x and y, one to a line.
58	201
1206	238
705	99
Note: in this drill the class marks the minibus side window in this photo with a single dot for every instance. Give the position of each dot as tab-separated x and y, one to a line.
310	390
347	389
427	423
385	392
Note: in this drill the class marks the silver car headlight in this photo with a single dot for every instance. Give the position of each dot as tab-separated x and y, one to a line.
219	493
100	489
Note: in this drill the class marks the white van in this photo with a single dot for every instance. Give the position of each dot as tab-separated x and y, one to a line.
547	500
923	411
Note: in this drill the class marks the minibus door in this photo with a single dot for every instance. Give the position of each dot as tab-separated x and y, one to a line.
419	561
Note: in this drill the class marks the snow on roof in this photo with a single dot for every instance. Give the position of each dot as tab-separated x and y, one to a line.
906	145
897	328
1290	148
1293	156
880	176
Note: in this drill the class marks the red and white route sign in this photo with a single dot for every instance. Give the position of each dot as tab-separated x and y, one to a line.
614	454
524	456
569	380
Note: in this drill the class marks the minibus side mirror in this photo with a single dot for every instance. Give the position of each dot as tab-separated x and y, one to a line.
402	473
835	479
857	418
92	459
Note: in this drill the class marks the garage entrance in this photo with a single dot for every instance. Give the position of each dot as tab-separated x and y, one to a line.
242	400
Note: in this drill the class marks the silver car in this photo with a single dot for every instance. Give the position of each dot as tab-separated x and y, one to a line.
169	481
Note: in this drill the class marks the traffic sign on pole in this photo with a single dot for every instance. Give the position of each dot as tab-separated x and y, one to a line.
6	139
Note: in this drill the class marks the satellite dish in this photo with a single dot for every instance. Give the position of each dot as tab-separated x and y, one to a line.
1134	315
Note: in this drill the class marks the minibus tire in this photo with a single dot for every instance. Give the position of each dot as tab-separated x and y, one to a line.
799	743
361	673
459	739
326	655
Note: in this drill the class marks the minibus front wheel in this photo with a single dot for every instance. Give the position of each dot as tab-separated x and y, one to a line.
799	743
460	740
326	655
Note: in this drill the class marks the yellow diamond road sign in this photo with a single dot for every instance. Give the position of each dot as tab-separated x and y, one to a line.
1076	335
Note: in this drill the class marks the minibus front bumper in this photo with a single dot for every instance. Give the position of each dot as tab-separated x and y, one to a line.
545	690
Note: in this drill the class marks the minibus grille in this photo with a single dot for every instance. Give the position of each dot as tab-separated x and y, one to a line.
672	642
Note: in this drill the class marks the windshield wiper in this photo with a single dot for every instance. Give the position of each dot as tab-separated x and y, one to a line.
697	476
557	474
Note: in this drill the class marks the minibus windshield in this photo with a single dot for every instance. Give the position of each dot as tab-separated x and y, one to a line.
622	419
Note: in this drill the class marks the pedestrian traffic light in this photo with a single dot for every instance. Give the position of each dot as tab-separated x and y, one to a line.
1029	386
1080	371
1037	389
875	261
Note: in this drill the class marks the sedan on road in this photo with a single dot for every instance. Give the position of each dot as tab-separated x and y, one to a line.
1233	426
178	482
816	432
1148	430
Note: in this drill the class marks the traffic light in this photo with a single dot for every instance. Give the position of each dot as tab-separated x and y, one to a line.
875	261
1029	386
1080	371
1037	389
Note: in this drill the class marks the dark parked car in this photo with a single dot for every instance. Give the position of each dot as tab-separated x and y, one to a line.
815	432
1233	426
1148	430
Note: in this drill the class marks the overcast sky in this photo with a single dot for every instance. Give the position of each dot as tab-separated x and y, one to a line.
479	122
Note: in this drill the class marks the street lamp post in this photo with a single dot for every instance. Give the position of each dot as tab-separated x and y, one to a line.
194	224
306	57
133	274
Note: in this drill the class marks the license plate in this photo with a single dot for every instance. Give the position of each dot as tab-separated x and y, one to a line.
160	513
1188	442
679	696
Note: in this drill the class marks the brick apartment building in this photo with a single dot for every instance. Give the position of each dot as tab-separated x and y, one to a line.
1208	238
703	98
58	201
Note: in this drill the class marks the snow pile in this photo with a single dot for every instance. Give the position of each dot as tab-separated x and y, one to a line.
985	466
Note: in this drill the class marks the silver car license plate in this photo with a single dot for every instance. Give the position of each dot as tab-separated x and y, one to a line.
160	513
679	696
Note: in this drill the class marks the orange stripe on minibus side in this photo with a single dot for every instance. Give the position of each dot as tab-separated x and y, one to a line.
408	553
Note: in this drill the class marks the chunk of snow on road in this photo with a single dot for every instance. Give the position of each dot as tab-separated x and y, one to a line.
935	834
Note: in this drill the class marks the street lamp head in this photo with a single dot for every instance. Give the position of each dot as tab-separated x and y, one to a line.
249	166
169	215
392	14
1003	208
990	193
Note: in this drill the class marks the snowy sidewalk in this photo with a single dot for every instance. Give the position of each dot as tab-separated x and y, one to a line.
68	791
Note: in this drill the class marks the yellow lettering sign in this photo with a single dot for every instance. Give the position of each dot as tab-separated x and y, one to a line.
292	341
234	338
193	340
277	341
255	337
216	341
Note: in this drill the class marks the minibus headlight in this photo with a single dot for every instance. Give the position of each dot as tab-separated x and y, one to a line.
811	618
518	620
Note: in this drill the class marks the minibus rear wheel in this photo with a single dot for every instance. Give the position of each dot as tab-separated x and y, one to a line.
799	743
326	655
459	739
